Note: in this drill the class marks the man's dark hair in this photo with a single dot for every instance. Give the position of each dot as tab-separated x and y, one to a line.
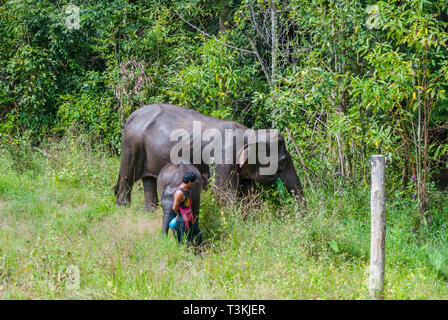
189	176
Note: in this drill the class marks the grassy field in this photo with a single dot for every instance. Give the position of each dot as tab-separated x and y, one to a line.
58	220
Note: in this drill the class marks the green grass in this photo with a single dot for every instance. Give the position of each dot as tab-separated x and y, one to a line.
59	212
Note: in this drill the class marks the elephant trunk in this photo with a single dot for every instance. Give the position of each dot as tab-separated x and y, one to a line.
292	183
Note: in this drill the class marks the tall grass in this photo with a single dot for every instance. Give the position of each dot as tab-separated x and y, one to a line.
59	215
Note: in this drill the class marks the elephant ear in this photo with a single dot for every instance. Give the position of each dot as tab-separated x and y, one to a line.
262	137
243	156
248	170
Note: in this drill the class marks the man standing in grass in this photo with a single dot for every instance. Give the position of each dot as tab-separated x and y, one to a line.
182	208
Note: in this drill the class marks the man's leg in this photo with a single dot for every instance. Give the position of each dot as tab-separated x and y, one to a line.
180	230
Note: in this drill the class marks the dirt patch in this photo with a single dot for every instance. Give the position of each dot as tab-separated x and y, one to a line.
147	225
129	226
137	225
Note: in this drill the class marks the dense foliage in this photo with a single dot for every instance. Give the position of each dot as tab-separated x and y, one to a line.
341	79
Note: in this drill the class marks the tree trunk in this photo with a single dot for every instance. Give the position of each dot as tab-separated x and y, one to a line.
274	43
223	17
274	52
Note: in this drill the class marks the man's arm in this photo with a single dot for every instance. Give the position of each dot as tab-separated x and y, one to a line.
178	198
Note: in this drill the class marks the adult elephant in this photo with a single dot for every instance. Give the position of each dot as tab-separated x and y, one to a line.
147	147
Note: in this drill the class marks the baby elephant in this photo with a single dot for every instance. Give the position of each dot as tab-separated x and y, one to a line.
179	187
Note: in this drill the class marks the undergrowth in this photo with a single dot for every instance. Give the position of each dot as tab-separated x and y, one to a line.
58	221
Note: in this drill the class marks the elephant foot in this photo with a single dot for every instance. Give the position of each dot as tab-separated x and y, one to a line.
121	204
149	208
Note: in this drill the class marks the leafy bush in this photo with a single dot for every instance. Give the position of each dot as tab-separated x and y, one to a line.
438	260
21	153
93	116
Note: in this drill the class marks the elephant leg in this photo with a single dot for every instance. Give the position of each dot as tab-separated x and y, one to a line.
246	192
226	182
150	189
166	223
195	234
246	187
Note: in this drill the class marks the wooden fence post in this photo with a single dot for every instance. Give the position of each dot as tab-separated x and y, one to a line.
378	227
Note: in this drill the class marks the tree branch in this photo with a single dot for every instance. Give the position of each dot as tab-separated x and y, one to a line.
260	59
206	34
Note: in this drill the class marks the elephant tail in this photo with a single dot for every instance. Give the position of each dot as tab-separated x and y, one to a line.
116	187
